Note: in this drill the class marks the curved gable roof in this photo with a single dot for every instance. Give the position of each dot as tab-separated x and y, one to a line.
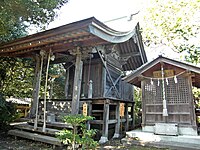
85	33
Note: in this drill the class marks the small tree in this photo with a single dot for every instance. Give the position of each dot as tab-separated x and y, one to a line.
79	135
7	113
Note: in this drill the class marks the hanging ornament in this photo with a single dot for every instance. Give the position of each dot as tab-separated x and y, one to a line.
158	82
167	81
151	81
175	79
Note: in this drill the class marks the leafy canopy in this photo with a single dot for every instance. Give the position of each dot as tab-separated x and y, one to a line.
174	23
17	15
16	75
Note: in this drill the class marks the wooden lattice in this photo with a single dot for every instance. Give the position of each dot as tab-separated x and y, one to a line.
174	92
178	92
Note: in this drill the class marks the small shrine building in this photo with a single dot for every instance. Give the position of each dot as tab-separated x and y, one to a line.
167	100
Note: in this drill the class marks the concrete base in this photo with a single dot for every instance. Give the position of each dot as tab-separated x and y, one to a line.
151	137
116	135
103	140
181	130
187	131
148	129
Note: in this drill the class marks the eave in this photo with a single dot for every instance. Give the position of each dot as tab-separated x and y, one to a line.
133	78
85	33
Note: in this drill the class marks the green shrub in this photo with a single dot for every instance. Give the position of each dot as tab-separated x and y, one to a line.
79	135
7	113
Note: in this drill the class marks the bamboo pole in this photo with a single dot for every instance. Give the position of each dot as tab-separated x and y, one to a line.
45	90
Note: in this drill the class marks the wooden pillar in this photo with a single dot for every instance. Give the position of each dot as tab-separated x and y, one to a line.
90	89
104	82
126	117
36	84
89	113
77	83
117	125
104	137
143	104
132	116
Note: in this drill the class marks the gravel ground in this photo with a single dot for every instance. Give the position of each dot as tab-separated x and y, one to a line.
10	143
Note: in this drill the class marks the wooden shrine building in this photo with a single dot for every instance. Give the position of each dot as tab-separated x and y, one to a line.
95	58
167	98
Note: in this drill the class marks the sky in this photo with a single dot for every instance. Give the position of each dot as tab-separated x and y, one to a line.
105	11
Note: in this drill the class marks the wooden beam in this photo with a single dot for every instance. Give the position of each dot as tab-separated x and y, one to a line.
130	54
114	84
108	72
77	83
36	137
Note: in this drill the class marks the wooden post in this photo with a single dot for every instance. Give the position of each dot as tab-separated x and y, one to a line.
90	89
126	117
104	137
103	82
37	88
67	83
36	84
89	113
132	110
132	116
77	83
143	104
117	125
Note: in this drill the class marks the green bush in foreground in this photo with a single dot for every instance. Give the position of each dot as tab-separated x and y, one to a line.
78	136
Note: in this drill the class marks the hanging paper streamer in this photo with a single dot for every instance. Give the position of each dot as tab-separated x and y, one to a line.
175	79
158	82
167	81
151	82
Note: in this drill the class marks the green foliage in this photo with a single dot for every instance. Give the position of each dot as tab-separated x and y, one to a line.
16	15
16	76
174	24
138	104
7	113
57	81
196	93
79	135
